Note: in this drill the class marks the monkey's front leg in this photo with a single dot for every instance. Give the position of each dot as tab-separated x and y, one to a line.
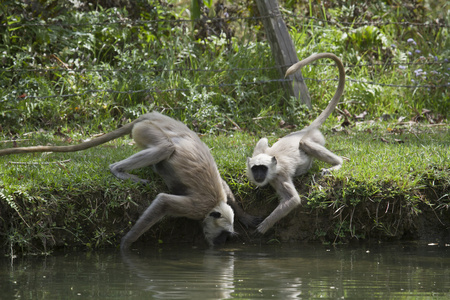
289	200
163	205
150	217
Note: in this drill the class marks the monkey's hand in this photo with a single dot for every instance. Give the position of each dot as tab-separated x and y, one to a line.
263	227
256	235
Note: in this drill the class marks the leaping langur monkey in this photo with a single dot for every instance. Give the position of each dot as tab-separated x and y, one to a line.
292	155
186	165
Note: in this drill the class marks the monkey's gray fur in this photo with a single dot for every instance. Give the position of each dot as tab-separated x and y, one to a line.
292	155
186	165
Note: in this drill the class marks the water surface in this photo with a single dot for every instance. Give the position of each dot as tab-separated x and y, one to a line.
288	271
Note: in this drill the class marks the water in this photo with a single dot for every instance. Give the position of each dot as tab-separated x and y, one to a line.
296	271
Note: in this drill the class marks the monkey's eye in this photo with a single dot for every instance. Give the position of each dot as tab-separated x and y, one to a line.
259	168
215	214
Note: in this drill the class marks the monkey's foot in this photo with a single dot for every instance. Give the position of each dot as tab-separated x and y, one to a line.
136	179
143	181
325	172
328	171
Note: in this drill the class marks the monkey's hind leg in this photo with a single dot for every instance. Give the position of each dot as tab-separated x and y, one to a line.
319	152
143	158
163	205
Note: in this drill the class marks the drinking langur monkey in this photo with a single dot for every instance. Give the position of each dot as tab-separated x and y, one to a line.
292	155
184	162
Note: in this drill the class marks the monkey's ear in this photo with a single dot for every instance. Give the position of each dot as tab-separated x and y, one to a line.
215	214
261	146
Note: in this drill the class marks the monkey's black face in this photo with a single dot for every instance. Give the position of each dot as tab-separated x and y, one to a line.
221	238
259	173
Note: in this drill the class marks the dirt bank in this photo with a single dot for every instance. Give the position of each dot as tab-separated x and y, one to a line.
96	219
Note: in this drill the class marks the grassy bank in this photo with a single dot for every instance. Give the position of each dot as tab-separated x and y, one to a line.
395	185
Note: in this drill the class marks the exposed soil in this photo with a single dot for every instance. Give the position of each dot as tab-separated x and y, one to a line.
305	225
91	221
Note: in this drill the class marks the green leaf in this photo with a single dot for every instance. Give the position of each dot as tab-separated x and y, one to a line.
195	10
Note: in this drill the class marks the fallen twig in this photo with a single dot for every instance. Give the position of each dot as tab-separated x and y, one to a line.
234	123
39	163
11	141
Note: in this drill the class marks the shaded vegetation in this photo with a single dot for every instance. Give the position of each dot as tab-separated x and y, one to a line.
109	63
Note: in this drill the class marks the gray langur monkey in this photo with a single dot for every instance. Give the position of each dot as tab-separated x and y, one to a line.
292	155
184	162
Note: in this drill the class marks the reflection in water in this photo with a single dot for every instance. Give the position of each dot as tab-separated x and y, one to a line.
182	275
250	272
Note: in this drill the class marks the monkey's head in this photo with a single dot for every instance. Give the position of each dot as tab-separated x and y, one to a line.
261	168
218	224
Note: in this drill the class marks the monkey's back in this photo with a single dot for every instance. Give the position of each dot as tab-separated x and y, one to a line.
191	169
294	160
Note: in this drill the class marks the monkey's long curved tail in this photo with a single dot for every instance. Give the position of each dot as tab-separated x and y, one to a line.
339	91
126	129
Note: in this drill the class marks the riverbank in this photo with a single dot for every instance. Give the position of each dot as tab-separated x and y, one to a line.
393	186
